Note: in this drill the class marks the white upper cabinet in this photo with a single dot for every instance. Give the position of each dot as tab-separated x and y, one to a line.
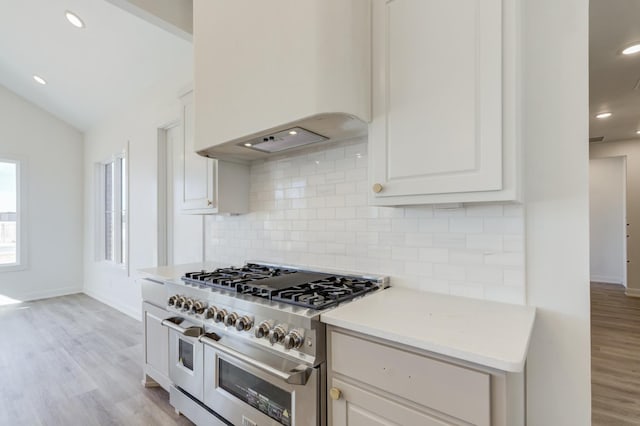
195	173
207	186
443	127
262	67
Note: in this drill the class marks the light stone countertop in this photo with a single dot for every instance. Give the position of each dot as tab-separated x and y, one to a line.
487	333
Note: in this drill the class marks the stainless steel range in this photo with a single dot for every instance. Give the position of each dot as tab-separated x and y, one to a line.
247	346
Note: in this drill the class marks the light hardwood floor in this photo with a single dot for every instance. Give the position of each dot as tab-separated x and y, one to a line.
75	361
615	356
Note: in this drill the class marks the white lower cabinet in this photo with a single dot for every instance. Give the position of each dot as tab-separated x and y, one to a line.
156	347
377	382
356	406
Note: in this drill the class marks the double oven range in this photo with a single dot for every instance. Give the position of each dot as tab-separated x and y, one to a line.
246	345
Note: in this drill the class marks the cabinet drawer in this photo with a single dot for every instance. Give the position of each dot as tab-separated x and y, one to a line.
358	407
457	391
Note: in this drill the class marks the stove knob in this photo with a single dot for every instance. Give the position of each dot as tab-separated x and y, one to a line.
188	305
219	315
172	300
244	323
293	340
277	334
263	329
180	302
199	307
210	313
230	319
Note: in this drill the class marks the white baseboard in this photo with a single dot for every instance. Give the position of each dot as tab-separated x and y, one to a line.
46	294
632	292
606	279
127	310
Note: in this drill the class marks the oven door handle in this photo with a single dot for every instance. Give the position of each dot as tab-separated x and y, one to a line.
299	376
174	324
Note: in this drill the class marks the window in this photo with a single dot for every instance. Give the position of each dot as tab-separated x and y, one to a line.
12	253
112	226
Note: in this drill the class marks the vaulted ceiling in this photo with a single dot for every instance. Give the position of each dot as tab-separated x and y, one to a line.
91	71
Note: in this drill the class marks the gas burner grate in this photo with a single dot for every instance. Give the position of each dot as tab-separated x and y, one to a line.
324	293
230	278
312	290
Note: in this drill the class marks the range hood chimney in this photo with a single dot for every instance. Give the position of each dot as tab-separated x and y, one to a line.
262	89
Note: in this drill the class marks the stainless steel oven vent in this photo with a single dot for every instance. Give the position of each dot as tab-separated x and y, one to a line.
294	137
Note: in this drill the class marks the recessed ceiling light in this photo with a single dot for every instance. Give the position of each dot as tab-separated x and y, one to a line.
248	144
40	79
634	48
74	19
604	115
293	132
637	132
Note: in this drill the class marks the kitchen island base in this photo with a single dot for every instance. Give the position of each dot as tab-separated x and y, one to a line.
398	383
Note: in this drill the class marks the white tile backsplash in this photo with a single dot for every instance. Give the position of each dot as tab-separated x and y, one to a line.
311	209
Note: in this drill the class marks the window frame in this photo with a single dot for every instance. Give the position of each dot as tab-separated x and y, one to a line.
119	211
21	215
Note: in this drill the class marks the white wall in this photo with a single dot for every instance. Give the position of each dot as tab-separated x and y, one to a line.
555	130
311	209
631	150
607	219
136	123
52	151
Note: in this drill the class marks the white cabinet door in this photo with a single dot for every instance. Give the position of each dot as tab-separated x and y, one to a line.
359	407
437	124
205	185
197	189
156	345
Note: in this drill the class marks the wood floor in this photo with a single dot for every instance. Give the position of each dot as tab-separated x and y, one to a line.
615	356
74	361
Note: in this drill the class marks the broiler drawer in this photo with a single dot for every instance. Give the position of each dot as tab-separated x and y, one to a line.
454	390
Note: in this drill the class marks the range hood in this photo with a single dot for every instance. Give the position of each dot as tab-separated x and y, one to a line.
273	89
288	138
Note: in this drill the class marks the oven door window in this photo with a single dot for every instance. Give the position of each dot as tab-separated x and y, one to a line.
260	394
185	354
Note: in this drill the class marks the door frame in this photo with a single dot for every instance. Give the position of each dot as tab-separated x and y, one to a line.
165	188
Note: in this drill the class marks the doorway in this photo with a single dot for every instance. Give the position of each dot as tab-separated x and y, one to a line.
180	236
607	212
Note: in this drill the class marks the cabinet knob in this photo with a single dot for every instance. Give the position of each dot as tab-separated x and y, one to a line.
377	187
209	202
335	394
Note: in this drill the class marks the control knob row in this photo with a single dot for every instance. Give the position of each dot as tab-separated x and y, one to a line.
177	301
290	340
188	304
216	314
241	323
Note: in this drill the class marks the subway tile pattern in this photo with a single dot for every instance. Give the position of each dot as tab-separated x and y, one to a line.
311	209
